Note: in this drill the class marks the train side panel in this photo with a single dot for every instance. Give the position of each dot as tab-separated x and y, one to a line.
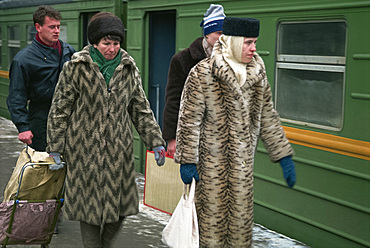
330	205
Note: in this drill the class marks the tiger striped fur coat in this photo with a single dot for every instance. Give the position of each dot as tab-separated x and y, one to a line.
91	123
220	123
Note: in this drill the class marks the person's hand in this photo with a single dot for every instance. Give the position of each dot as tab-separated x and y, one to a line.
288	170
188	171
171	147
58	162
159	155
26	137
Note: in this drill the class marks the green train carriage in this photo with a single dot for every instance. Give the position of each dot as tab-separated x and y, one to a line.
317	56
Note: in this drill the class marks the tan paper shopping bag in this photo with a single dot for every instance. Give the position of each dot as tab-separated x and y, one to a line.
163	185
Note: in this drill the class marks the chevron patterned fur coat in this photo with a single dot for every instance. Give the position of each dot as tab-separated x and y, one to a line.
219	125
90	124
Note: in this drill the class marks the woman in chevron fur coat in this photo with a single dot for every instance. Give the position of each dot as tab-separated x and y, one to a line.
225	108
98	98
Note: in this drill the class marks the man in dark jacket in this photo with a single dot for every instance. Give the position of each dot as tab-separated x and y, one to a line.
180	65
33	76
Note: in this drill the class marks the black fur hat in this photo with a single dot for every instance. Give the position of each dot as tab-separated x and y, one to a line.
246	27
103	24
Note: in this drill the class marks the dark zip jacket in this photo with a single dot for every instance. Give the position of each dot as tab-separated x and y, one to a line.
33	76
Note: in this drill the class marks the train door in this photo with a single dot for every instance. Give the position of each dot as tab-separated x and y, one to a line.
85	18
162	35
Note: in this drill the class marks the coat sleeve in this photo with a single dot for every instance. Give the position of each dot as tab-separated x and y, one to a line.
272	134
61	109
17	98
175	83
191	115
142	116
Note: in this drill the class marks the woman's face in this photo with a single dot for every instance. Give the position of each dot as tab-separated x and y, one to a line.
249	47
108	48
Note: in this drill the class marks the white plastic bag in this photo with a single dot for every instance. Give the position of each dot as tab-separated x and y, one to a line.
182	229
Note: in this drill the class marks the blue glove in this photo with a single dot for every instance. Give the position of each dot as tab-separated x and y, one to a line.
288	170
188	171
58	162
159	155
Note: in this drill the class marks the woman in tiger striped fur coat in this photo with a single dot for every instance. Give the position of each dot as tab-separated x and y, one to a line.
226	106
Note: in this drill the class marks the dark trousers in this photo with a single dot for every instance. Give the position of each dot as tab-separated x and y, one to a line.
94	236
38	121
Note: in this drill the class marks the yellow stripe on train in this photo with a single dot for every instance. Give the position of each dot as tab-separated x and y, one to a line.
327	142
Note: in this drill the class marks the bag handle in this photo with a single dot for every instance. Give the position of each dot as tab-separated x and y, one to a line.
191	191
29	156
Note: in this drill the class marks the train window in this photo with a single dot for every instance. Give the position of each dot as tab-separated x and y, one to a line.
63	33
313	38
31	32
14	42
310	73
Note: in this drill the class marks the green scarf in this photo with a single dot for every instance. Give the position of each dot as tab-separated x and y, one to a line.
106	67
